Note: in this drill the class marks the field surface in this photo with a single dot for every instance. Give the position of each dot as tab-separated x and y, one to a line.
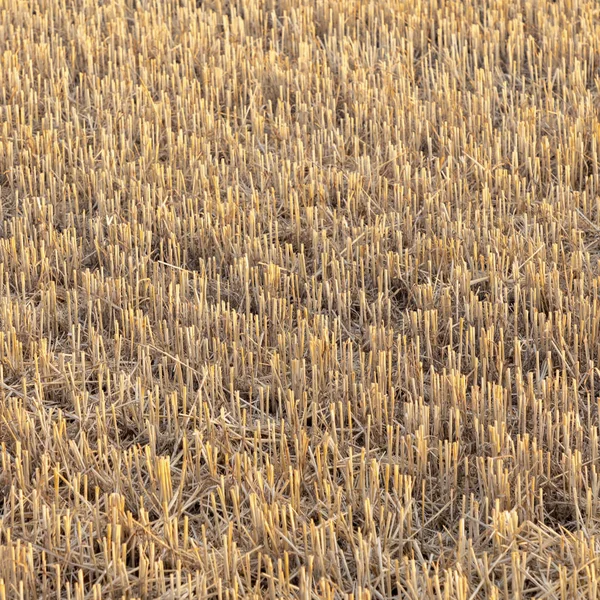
299	299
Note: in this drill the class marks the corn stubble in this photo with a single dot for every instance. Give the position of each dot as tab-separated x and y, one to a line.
299	299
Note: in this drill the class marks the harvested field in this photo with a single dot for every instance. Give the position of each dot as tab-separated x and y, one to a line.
299	299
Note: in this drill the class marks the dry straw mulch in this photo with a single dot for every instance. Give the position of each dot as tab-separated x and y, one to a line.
299	299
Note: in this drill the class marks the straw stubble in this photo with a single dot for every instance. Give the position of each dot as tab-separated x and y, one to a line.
299	299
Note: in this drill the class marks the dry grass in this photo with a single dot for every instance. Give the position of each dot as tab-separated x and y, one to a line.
299	299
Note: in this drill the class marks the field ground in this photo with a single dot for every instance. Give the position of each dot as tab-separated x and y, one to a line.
299	299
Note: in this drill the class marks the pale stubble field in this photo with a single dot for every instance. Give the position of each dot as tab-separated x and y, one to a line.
299	299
